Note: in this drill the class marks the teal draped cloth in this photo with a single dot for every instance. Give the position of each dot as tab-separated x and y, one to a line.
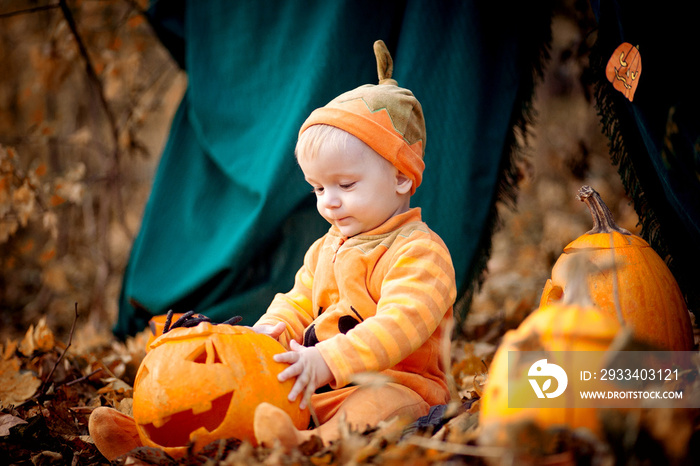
655	139
230	215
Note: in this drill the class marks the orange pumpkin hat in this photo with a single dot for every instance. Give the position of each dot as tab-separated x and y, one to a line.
386	117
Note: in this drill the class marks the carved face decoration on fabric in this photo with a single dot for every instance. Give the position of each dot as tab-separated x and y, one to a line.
624	69
203	383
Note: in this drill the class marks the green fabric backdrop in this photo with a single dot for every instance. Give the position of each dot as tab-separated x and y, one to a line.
230	216
655	140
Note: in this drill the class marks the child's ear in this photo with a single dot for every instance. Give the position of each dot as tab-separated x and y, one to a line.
403	183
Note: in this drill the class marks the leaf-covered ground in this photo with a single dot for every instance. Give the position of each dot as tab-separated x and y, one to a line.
48	389
72	188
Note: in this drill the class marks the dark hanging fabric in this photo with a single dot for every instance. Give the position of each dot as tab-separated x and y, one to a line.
230	215
655	139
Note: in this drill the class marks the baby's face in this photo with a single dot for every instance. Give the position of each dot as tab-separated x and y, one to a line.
356	189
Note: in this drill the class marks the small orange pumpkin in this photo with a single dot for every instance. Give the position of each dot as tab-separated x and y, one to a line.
624	69
203	383
157	324
648	298
574	327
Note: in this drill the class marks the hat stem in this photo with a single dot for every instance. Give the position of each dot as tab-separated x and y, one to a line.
385	65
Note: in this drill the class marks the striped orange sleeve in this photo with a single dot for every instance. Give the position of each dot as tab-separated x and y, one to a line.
294	308
416	295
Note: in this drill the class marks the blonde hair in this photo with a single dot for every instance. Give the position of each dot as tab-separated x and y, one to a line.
315	137
320	136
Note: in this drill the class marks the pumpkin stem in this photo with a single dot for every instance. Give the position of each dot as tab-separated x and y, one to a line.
603	221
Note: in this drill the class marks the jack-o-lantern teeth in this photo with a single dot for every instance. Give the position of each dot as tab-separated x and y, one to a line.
201	407
160	422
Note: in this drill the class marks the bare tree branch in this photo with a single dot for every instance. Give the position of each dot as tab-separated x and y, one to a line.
25	11
47	380
92	75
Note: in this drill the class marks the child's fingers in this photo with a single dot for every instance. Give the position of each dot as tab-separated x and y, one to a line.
273	331
301	383
294	346
289	357
277	330
292	371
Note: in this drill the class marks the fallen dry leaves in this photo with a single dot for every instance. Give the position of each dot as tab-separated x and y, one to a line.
49	388
47	393
16	386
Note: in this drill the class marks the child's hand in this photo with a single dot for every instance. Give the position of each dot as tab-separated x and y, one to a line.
273	331
308	366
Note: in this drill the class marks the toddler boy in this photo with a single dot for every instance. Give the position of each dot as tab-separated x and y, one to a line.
375	293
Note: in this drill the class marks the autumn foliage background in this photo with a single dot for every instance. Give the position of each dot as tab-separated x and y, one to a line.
86	97
85	107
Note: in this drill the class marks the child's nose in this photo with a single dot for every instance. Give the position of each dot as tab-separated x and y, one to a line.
330	199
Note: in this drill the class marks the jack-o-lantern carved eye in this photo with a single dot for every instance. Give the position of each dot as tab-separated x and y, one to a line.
141	374
205	354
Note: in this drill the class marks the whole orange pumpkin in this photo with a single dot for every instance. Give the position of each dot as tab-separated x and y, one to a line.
157	324
576	329
203	383
633	284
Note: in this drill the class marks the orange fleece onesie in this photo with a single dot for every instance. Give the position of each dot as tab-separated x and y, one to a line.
380	301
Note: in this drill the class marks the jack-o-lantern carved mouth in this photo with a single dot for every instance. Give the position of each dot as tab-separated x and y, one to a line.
175	432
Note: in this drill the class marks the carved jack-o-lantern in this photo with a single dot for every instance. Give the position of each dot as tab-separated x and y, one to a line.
624	68
201	384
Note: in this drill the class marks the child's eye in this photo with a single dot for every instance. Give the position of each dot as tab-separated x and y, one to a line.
317	190
347	185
